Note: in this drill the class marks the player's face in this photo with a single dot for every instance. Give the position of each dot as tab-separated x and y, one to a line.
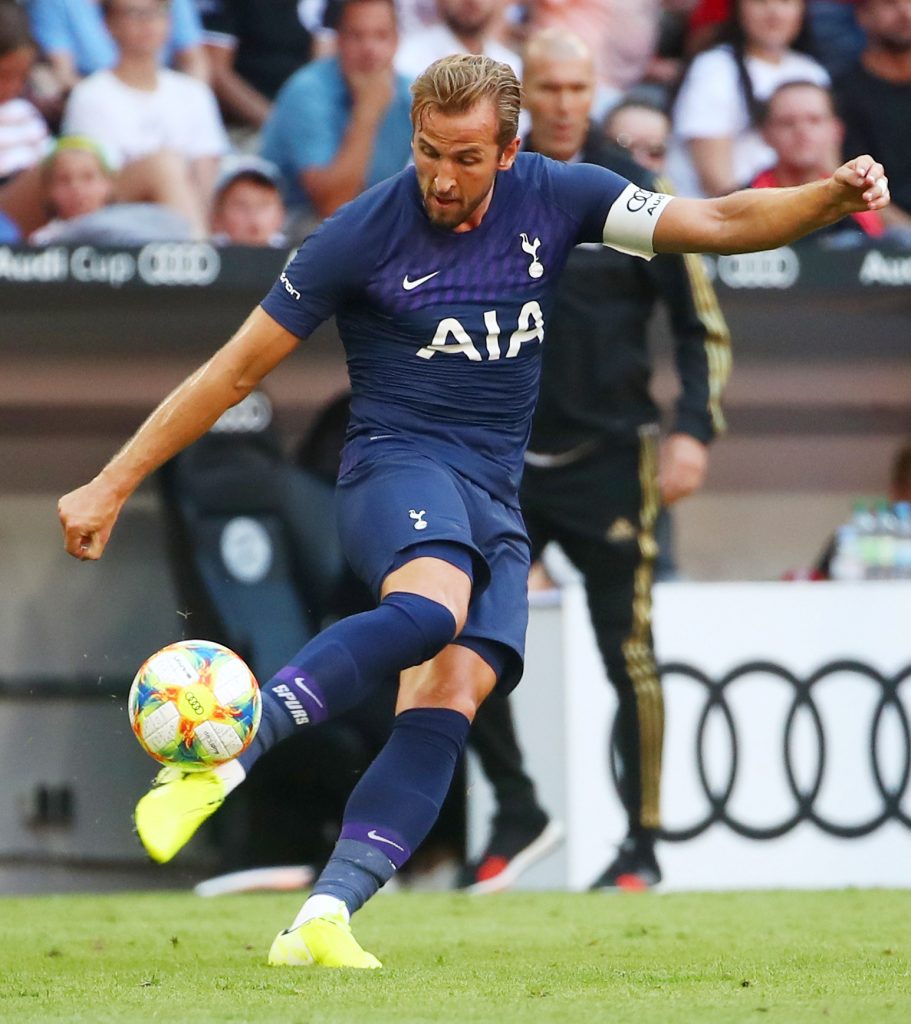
558	96
77	184
802	129
249	213
771	25
457	157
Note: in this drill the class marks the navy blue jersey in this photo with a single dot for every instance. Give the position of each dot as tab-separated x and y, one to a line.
443	330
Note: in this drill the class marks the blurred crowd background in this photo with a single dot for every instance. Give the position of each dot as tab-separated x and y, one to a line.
125	121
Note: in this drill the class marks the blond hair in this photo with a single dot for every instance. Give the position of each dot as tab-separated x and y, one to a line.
455	84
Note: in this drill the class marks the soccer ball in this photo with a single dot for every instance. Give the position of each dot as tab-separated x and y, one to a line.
194	704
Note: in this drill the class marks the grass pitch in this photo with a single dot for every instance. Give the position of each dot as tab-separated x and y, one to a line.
832	957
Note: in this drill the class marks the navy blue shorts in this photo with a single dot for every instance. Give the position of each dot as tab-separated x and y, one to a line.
393	498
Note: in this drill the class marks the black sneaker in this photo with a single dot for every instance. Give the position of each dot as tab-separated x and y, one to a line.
515	845
634	869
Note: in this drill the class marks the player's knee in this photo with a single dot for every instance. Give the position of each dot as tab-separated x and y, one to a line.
432	623
441	572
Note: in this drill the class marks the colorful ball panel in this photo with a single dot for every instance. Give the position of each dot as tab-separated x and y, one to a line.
194	704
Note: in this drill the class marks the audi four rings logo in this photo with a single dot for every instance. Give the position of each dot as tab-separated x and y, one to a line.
888	761
180	263
637	200
776	268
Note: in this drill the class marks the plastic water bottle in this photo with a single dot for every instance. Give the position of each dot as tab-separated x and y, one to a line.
864	522
886	537
847	563
902	510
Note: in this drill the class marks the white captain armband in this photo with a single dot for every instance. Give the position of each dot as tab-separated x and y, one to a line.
630	224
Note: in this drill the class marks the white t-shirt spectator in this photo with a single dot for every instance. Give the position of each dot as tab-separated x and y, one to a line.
24	138
180	115
420	49
711	105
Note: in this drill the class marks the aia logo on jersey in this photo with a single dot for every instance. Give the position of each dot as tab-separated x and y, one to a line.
451	338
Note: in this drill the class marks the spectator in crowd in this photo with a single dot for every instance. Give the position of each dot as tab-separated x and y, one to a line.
874	97
24	138
75	39
138	108
716	147
341	124
837	36
23	133
642	129
248	208
704	24
595	475
252	52
622	34
415	15
465	26
800	124
89	202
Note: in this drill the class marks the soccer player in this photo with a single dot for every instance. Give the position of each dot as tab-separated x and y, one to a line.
441	280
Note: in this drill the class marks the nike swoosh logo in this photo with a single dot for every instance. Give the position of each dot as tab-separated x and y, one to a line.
409	285
303	686
372	834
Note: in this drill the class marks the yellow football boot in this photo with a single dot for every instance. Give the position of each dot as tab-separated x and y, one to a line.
322	942
174	808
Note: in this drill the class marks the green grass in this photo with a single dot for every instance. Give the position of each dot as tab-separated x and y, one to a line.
832	957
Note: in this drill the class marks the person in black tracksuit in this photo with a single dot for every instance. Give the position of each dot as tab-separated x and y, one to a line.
597	476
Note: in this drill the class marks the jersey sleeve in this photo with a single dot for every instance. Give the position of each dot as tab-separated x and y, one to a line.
610	209
328	268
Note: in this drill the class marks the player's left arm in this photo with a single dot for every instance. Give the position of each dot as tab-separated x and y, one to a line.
88	514
758	219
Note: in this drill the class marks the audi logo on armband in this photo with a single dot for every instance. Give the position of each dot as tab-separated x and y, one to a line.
179	263
801	754
638	200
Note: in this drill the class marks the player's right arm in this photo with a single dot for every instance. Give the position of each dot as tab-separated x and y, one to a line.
88	514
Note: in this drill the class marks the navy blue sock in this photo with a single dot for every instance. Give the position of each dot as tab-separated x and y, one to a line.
392	808
340	666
